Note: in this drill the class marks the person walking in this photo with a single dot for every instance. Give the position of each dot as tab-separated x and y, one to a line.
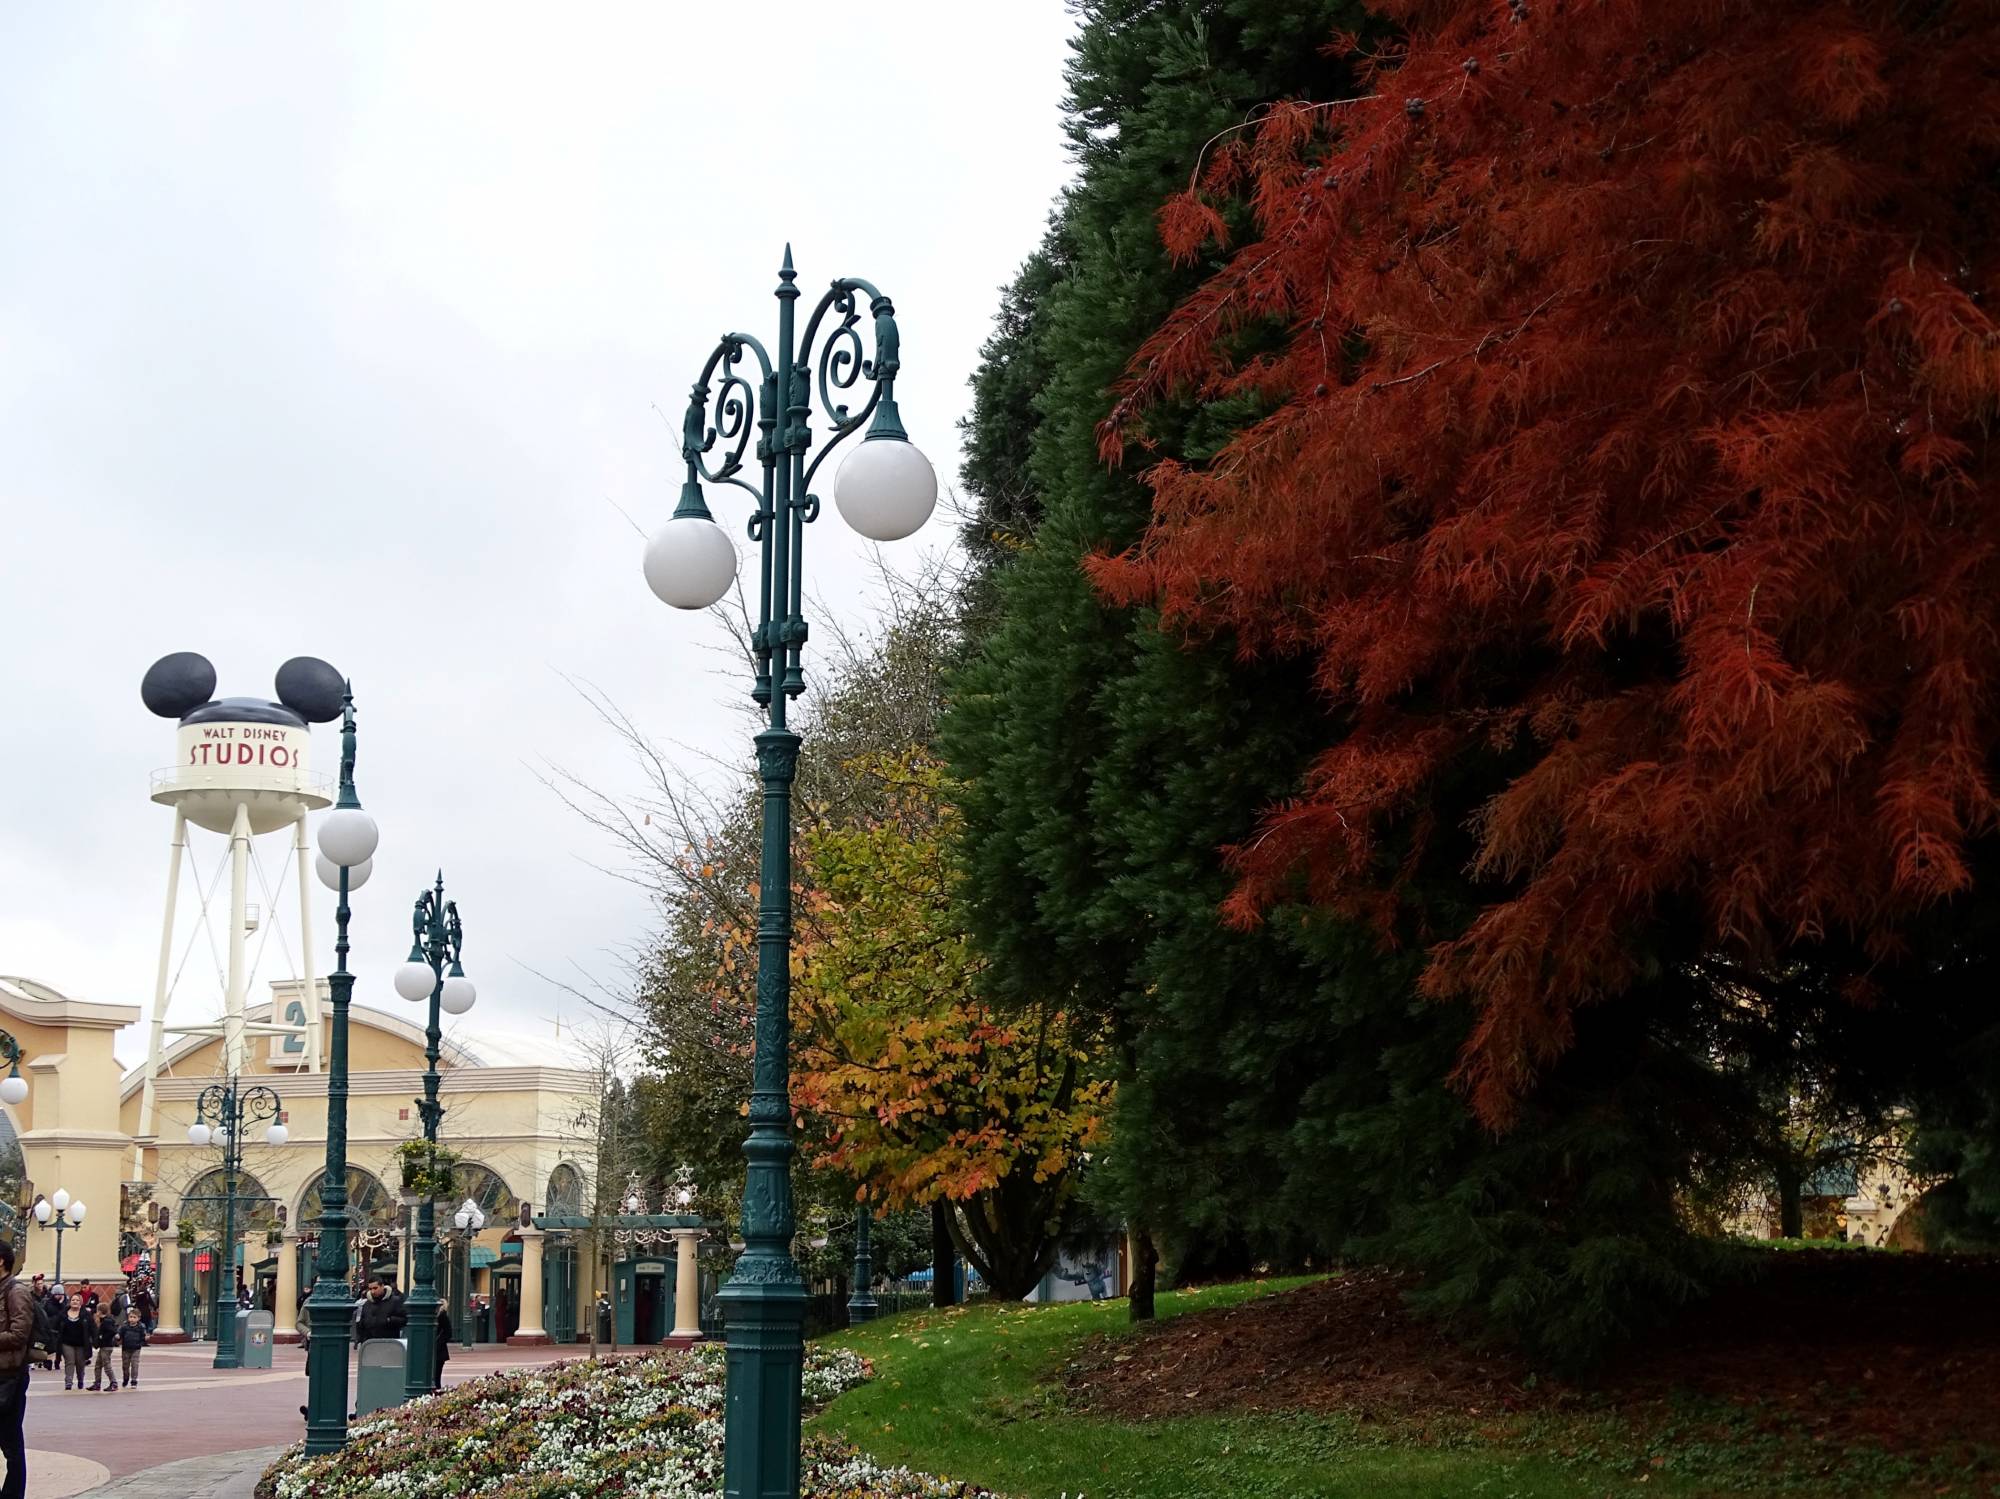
379	1316
143	1300
74	1331
17	1337
131	1338
441	1350
89	1294
103	1338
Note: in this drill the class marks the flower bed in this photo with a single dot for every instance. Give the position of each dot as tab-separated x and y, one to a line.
647	1428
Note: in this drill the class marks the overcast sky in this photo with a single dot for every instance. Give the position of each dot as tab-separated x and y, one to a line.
337	330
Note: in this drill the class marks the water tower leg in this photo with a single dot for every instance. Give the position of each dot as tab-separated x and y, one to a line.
307	880
239	880
157	1033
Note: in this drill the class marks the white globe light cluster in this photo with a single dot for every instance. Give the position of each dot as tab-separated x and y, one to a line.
59	1206
416	979
885	489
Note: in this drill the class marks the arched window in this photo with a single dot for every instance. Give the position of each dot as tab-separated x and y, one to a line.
369	1204
565	1191
203	1209
470	1179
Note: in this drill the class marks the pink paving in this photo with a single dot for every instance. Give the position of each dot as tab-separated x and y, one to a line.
183	1408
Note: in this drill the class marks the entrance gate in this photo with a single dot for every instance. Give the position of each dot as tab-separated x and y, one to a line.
559	1293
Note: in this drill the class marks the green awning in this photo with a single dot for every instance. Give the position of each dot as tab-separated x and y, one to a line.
482	1256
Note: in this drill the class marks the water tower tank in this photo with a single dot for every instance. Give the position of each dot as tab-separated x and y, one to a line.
242	751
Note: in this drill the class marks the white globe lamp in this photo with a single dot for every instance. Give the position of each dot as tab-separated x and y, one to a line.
690	562
277	1134
76	1212
199	1134
14	1088
415	980
348	835
329	873
458	995
61	1199
886	488
43	1210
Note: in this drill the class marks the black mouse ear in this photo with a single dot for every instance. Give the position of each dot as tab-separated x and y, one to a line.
311	689
174	686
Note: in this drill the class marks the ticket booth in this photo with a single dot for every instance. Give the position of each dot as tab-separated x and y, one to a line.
642	1295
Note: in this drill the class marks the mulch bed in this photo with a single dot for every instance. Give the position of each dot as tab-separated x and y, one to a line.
1901	1350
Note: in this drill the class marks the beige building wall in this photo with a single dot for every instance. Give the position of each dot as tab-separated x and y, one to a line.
68	1126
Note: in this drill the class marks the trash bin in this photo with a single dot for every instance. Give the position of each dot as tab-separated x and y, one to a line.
604	1322
482	1324
253	1339
378	1376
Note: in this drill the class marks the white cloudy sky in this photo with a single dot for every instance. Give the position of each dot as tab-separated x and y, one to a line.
336	330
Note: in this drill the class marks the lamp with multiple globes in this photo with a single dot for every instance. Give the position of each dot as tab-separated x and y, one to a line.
885	489
58	1214
432	972
220	1114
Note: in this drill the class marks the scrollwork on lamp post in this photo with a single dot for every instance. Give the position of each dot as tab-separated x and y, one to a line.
434	972
885	489
221	1113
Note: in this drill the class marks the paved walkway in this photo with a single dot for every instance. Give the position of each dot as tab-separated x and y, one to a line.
227	1475
188	1430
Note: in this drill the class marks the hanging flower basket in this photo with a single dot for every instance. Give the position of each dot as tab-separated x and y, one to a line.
427	1170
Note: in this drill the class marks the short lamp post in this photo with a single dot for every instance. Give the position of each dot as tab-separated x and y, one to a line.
885	489
62	1215
347	842
433	972
471	1222
220	1115
861	1306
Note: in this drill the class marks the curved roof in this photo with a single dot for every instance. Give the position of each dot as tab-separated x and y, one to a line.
23	991
452	1052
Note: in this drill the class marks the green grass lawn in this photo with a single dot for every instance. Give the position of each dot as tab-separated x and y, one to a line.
965	1394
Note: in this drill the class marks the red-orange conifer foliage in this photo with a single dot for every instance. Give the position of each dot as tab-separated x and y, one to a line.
1632	408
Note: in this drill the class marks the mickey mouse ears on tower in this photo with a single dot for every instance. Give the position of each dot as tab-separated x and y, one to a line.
181	685
311	689
174	686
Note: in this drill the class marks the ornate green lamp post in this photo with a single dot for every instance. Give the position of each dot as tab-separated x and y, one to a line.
861	1305
885	489
220	1114
347	839
433	972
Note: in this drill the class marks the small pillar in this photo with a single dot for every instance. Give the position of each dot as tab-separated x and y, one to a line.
167	1255
285	1316
530	1333
687	1289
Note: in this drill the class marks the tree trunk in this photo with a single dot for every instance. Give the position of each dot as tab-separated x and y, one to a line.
1791	1203
590	1300
1145	1273
944	1257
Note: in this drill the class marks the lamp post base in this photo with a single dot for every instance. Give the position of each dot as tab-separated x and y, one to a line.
530	1340
766	1360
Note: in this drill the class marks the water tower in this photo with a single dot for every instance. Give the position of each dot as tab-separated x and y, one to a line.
243	770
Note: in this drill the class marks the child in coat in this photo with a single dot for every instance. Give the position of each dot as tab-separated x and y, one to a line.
131	1338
